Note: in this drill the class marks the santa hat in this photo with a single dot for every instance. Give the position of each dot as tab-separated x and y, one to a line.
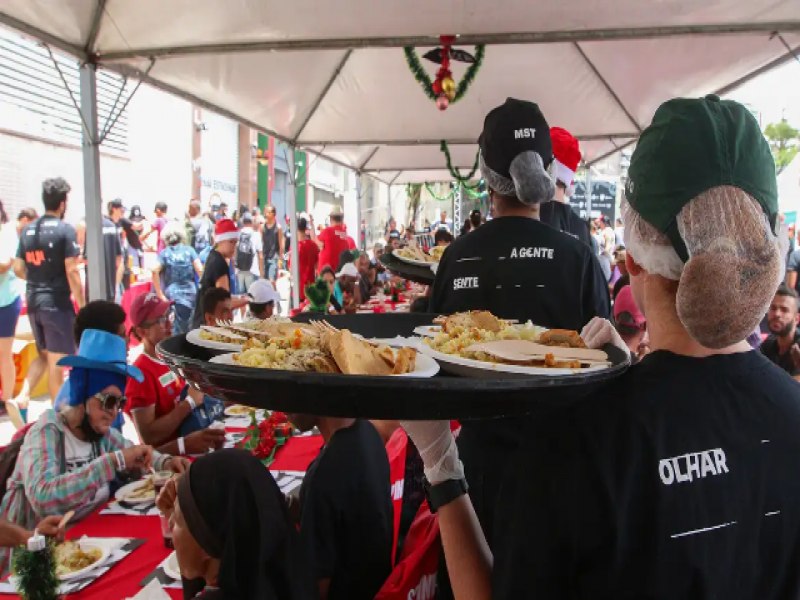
566	154
225	230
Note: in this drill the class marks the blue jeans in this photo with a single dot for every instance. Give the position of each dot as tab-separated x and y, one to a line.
271	268
183	319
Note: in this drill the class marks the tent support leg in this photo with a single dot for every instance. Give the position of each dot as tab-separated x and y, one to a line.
91	185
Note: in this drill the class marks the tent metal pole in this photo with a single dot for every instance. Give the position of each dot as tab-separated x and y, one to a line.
526	37
322	95
608	87
763	69
291	202
589	191
91	183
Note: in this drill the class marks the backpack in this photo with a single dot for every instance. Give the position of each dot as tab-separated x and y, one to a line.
245	252
190	232
200	235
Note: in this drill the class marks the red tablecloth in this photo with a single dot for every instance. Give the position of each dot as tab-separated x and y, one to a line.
123	580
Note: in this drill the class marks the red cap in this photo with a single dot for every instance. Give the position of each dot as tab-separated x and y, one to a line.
225	230
147	307
625	303
567	154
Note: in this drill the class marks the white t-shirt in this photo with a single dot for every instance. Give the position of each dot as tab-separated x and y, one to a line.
78	454
255	239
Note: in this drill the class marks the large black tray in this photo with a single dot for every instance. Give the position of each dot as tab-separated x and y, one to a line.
417	273
440	397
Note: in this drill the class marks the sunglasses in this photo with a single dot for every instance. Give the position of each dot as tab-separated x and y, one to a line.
162	320
110	402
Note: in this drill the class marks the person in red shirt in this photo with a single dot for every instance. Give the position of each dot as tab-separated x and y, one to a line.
158	405
332	241
307	255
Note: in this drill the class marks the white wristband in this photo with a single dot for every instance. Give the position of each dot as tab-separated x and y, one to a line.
181	446
191	402
120	459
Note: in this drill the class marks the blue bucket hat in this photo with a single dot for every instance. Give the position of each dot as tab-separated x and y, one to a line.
102	351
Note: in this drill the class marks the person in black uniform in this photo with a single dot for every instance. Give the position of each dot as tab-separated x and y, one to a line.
558	213
516	267
678	478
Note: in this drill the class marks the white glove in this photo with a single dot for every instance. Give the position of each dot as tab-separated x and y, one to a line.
437	448
599	332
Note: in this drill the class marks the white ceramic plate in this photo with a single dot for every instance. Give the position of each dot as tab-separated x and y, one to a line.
478	369
411	261
88	544
232	411
193	337
171	568
428	330
425	365
125	490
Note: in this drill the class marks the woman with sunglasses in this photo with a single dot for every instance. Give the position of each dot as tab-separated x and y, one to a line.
68	458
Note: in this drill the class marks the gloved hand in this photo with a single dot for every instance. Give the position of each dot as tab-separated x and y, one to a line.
599	332
437	448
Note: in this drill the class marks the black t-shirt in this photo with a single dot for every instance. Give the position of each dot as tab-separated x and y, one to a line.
112	248
131	235
561	216
770	349
677	480
346	522
269	241
216	266
44	245
520	268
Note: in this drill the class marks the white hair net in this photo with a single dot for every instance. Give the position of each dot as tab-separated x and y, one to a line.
174	232
530	182
735	263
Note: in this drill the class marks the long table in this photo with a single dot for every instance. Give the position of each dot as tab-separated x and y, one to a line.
123	580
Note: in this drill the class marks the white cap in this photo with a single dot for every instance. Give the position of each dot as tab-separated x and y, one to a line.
261	292
348	270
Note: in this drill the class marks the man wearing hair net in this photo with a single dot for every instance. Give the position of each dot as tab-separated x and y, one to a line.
517	268
679	478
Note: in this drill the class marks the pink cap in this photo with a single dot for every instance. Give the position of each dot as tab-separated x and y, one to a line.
147	307
626	304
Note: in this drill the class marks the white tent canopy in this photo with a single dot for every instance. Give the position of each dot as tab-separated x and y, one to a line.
331	77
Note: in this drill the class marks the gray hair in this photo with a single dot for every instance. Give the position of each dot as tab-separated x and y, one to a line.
173	233
530	182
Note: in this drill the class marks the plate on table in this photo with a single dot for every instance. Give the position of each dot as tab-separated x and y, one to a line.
425	367
137	492
171	568
238	410
194	337
480	369
74	558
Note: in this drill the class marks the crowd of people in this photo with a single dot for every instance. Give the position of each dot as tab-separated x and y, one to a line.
674	480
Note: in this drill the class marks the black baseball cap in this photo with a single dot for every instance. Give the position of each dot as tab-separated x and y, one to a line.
116	203
162	206
511	129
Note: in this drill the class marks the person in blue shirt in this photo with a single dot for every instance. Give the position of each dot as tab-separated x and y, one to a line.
105	316
177	266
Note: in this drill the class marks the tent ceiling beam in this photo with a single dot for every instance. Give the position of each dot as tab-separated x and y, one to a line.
322	95
455	142
42	36
369	158
425	168
608	87
94	30
529	37
605	155
790	55
391	183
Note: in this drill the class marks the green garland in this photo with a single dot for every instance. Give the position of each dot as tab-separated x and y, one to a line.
421	75
471	191
36	573
439	198
455	172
